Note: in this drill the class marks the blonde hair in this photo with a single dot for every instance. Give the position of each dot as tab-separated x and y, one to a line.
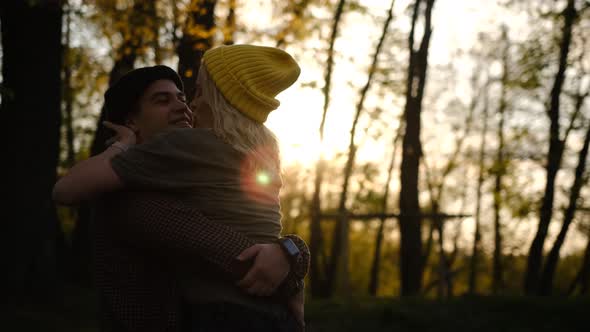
245	135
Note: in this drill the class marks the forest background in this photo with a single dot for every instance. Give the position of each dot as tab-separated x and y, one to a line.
433	150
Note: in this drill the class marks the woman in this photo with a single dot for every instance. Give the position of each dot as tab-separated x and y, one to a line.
228	168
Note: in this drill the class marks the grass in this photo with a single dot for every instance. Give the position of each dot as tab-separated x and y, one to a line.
77	312
481	314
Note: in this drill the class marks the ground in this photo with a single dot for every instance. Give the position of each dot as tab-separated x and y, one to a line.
76	312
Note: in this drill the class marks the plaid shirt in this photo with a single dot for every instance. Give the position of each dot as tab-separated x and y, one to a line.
138	235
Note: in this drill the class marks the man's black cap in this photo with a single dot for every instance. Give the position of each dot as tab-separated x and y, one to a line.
121	97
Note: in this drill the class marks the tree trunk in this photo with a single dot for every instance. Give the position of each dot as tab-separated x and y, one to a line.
474	263
67	92
340	245
546	284
317	270
197	37
410	222
535	258
442	259
500	170
449	277
159	52
320	286
427	251
229	29
31	108
444	288
585	272
374	276
582	279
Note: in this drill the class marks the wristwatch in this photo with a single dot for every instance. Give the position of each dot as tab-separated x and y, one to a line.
289	248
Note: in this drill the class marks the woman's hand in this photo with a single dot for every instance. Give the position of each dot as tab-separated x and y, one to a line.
93	176
270	268
123	134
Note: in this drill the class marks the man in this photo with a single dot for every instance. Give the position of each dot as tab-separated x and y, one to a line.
139	234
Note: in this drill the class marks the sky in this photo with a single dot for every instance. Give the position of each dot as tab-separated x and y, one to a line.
456	25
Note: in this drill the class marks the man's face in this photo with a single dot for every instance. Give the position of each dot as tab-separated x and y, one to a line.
161	106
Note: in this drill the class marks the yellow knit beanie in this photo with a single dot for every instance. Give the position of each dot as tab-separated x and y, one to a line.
250	76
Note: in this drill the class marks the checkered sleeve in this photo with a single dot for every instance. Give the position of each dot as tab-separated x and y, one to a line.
163	224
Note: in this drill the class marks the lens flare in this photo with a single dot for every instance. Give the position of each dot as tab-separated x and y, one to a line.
260	184
263	178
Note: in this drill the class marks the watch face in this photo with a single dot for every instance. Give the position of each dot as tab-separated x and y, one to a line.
291	247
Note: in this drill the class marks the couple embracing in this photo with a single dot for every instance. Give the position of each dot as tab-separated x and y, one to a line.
187	212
